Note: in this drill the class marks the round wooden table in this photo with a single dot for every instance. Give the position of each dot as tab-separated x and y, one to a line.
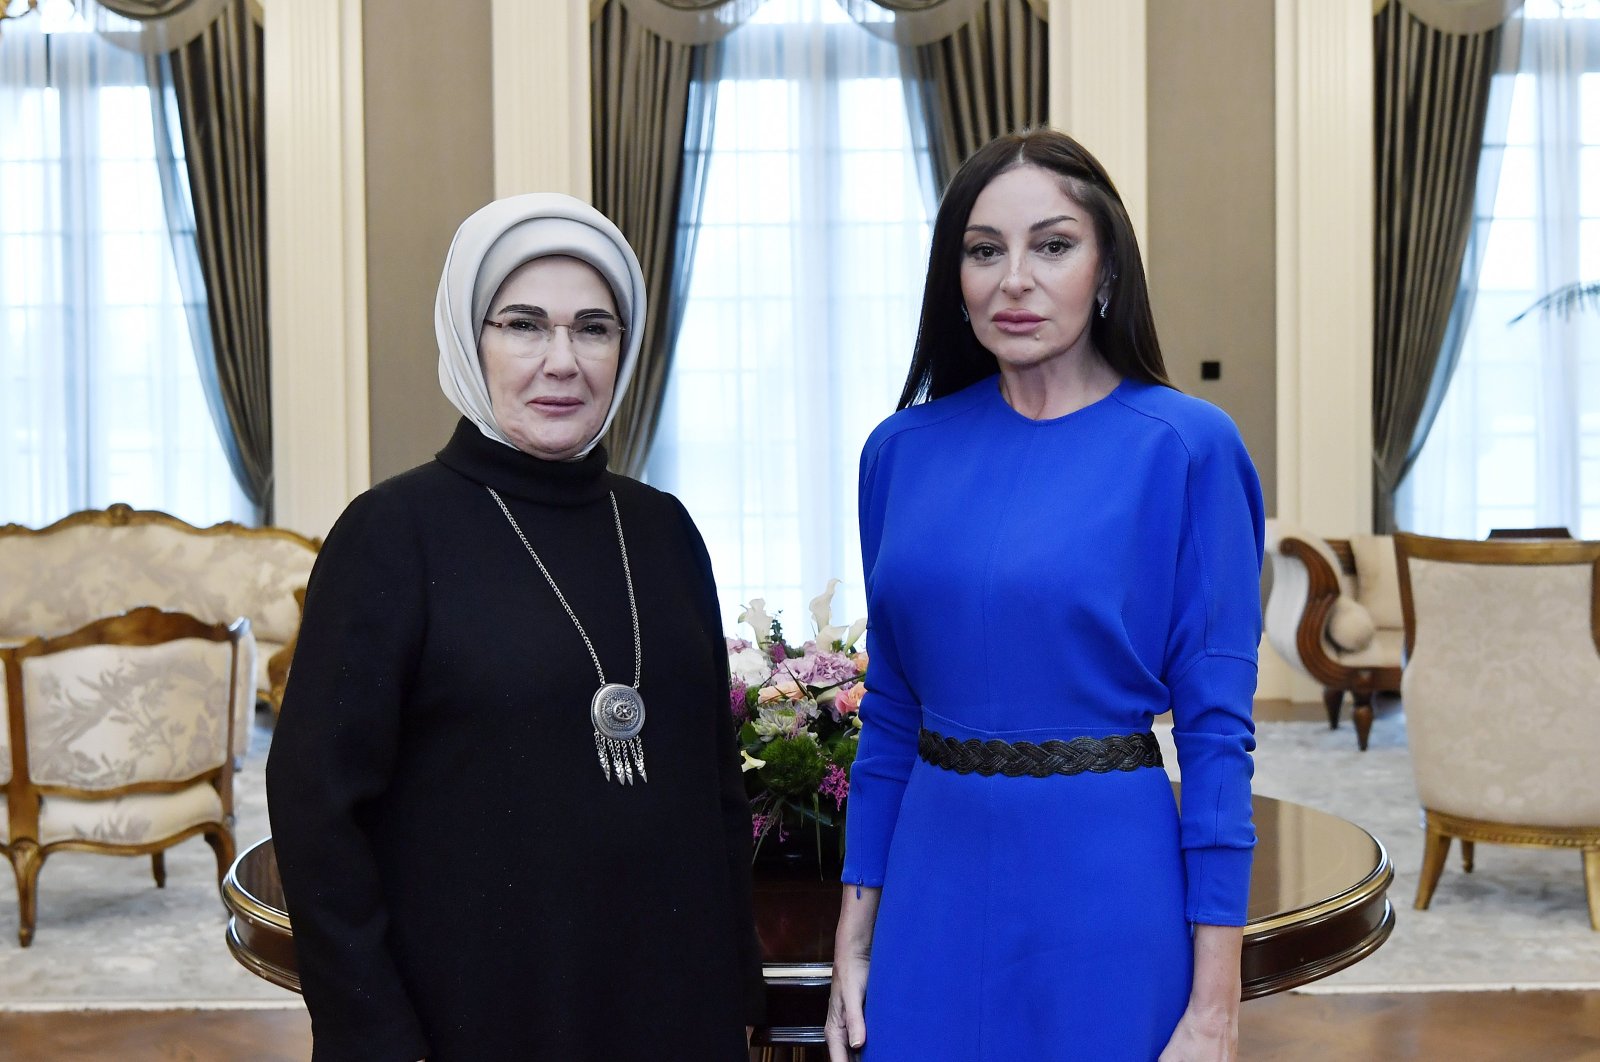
1318	902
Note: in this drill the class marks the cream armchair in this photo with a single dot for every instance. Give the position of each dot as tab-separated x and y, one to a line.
1334	614
1502	696
117	738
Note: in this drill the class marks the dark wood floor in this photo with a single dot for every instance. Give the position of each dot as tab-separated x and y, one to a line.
1435	1027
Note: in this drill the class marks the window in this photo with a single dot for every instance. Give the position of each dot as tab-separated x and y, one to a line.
100	397
803	302
1517	440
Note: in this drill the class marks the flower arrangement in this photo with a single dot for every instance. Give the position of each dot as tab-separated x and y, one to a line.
796	709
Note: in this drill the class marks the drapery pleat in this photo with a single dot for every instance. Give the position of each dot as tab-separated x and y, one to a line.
652	108
217	82
1432	92
989	77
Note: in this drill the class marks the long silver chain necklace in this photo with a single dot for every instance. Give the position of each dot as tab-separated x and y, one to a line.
617	711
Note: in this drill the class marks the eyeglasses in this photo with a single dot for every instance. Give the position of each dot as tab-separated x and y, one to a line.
532	335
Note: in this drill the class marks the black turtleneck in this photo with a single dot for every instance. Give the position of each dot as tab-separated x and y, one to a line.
463	881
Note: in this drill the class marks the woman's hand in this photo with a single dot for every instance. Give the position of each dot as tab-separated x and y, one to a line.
846	1028
1208	1031
1204	1035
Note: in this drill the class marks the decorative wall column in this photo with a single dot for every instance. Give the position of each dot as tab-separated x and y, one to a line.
1098	94
316	258
1325	268
541	104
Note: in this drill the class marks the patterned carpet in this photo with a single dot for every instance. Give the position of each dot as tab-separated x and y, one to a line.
108	939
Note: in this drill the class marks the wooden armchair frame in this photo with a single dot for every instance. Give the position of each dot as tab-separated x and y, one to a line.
1337	679
1442	827
143	626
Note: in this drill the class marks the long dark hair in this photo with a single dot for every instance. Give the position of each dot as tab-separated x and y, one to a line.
948	355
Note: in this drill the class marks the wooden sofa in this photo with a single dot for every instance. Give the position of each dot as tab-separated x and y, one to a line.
1334	614
98	563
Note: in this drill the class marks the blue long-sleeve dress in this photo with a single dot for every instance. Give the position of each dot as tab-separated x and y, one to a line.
1030	580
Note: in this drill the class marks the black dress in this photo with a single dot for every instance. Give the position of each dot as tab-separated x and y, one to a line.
463	881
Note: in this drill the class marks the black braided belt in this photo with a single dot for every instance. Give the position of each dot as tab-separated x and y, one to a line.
1017	759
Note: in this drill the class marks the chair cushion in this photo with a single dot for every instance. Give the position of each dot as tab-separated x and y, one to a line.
1378	579
139	818
1350	626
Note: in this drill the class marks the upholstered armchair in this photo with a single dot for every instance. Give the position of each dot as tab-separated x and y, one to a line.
1502	696
1334	614
118	739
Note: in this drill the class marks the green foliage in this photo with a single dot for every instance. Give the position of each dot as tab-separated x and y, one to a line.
795	767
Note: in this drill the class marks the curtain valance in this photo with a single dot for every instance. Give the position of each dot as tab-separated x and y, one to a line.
162	25
905	22
1455	16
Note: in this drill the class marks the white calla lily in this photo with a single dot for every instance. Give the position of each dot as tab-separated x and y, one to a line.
857	629
822	609
755	614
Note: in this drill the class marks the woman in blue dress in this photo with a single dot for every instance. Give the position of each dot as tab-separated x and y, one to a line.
1059	546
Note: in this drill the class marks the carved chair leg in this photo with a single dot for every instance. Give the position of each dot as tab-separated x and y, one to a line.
221	842
1434	853
1591	882
158	867
1466	856
1333	699
1363	718
25	863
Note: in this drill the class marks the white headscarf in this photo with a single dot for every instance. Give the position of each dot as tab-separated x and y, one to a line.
492	243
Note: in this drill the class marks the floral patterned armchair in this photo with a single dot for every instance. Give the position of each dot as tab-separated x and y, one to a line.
1502	696
118	738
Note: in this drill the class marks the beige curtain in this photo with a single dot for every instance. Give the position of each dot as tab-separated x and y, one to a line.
651	122
989	77
1432	93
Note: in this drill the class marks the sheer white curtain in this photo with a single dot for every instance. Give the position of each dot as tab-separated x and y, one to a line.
1517	441
100	397
802	307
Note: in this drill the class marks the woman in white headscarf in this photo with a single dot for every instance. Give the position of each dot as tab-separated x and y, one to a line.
504	789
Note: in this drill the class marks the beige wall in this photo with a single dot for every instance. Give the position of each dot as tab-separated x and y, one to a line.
429	163
1211	256
1210	250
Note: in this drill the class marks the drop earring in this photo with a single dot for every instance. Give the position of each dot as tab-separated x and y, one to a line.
964	315
1104	302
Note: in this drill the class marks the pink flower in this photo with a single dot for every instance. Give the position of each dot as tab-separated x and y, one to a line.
758	826
848	701
836	784
736	701
783	689
821	669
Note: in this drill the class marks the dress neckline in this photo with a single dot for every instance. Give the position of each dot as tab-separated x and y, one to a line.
515	474
999	397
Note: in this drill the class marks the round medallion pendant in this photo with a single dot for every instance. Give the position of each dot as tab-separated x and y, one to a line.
617	712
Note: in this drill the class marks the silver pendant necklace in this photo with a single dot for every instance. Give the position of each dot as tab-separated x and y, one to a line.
617	711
